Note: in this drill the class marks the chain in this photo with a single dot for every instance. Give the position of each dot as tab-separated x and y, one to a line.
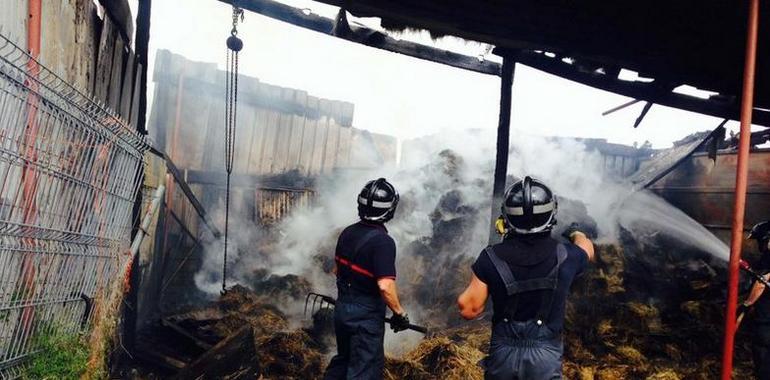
234	45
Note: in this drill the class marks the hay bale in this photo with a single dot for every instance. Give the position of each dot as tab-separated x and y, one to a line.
612	373
630	355
473	335
586	373
665	374
605	328
265	319
693	309
398	369
673	352
289	355
447	360
648	315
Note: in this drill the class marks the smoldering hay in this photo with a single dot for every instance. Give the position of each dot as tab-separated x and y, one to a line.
629	318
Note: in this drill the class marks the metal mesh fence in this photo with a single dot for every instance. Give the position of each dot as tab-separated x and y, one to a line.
69	174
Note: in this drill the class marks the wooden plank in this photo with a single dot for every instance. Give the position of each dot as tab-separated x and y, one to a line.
268	143
214	156
104	61
244	134
270	146
338	109
309	130
204	105
284	135
238	349
196	107
330	137
297	131
120	13
116	76
127	92
181	331
345	146
255	153
319	140
137	96
365	36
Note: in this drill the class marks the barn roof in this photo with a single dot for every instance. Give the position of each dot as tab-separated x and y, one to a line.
694	42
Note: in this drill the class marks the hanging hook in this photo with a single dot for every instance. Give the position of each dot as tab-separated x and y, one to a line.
233	42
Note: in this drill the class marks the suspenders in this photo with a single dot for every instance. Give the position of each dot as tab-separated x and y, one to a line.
513	287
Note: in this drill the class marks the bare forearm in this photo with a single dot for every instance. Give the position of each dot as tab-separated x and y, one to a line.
390	295
582	241
756	292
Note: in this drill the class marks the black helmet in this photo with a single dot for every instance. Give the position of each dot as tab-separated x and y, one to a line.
377	201
529	207
761	233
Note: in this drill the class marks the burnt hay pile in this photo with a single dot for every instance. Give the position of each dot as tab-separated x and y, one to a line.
650	312
619	326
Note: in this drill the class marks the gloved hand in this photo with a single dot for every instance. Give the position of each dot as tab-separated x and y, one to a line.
570	232
399	322
500	226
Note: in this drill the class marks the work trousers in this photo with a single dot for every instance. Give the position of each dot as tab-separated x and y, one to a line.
359	324
523	351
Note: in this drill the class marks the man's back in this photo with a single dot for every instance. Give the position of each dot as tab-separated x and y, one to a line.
371	259
530	257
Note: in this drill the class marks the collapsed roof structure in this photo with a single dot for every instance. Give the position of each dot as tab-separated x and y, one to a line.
693	43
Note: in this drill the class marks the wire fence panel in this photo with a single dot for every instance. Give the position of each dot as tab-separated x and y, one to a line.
69	174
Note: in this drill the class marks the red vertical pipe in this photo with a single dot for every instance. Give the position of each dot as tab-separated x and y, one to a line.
29	174
741	183
33	27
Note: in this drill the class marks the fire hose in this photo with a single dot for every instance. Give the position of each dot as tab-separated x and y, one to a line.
325	302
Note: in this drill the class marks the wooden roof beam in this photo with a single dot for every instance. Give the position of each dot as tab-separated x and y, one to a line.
366	36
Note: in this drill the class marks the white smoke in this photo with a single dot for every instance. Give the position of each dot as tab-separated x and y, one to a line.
461	164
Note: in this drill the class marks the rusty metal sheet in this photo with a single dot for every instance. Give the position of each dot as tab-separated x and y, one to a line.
704	190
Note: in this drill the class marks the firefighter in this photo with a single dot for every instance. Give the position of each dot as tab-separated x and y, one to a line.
528	276
759	301
366	283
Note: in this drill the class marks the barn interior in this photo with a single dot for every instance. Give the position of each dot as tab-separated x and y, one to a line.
126	222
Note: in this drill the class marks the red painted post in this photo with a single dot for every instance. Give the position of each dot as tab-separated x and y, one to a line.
29	174
741	183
